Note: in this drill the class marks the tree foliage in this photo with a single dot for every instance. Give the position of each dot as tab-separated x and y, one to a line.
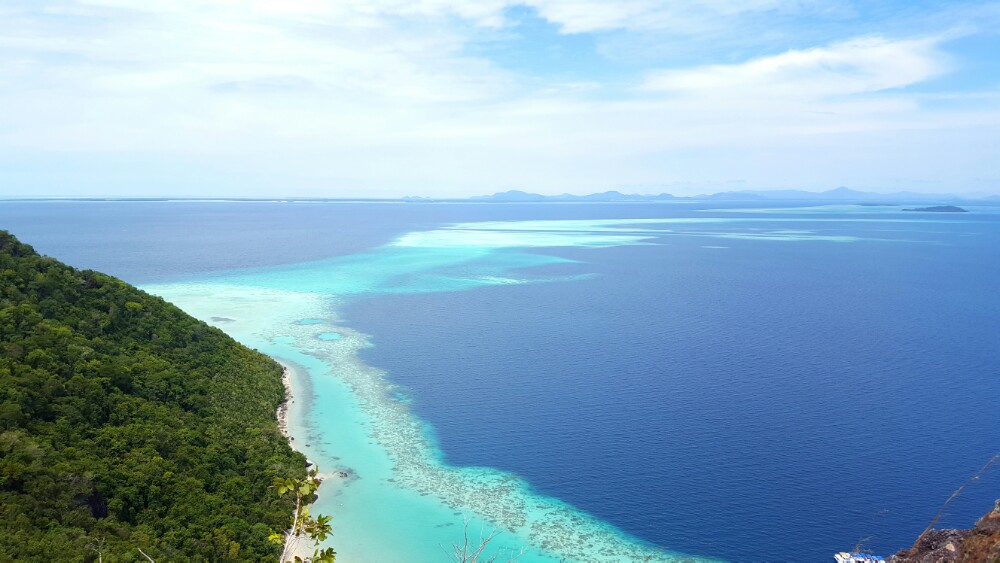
126	424
315	529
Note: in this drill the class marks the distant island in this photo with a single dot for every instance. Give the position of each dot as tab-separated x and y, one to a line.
839	195
940	209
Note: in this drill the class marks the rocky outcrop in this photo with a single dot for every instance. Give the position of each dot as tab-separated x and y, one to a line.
980	544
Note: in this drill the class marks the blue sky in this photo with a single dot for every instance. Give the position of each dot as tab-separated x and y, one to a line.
384	98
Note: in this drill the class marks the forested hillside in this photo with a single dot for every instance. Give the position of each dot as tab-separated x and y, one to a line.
126	424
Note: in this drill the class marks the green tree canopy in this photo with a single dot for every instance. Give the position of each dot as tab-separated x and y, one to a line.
126	424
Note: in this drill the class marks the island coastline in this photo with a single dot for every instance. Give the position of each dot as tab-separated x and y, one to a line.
301	548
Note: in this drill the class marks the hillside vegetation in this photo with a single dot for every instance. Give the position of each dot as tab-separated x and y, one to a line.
126	424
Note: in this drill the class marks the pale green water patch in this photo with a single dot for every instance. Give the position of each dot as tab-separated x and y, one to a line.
782	236
465	238
398	270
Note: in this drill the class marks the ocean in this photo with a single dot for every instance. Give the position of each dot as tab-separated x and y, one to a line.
598	382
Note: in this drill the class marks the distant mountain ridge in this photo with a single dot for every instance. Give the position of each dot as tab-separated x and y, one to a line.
840	194
518	195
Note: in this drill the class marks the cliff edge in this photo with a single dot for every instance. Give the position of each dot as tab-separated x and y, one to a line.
979	544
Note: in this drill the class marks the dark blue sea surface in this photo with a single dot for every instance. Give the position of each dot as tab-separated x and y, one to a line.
157	241
746	398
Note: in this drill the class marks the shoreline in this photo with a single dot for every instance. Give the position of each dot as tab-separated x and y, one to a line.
392	481
499	501
284	416
286	380
301	547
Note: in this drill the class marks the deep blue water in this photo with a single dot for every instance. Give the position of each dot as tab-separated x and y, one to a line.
786	398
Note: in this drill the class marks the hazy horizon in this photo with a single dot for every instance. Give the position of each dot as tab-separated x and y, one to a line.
971	196
449	99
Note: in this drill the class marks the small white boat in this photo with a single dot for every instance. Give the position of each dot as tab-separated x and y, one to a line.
857	557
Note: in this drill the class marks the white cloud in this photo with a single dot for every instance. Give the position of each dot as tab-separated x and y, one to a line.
200	76
382	94
852	67
572	16
683	17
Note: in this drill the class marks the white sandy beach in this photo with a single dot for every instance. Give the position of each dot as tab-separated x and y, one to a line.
301	548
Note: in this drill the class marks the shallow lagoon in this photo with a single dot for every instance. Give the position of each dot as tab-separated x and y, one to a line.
348	418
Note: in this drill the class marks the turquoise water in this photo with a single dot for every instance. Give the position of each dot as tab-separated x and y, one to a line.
349	420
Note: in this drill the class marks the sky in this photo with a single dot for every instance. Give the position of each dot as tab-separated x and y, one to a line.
449	98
